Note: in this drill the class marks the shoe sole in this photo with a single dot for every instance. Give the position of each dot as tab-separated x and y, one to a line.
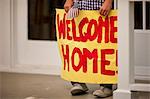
101	96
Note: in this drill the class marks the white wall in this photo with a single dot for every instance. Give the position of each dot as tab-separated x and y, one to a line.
4	34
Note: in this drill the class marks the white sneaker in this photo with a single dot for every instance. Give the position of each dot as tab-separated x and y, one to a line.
103	92
79	89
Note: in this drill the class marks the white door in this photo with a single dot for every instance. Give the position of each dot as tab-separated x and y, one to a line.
32	56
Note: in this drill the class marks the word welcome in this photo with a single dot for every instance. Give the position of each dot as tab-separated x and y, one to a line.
67	29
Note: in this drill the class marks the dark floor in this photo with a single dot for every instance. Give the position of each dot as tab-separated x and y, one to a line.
21	86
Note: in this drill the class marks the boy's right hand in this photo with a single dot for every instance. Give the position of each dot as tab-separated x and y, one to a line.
106	7
68	4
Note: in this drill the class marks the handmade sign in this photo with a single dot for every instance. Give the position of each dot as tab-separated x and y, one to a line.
88	47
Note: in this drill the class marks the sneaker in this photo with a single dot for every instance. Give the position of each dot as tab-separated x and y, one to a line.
79	89
103	92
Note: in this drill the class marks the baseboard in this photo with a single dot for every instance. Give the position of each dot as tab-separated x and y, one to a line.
30	69
4	68
141	72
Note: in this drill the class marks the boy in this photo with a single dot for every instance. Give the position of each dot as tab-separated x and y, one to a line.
104	6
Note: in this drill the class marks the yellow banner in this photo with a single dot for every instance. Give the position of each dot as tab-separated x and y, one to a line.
88	47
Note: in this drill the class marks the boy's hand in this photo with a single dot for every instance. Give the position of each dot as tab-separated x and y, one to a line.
106	7
68	4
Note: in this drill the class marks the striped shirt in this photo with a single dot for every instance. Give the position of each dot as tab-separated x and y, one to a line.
89	4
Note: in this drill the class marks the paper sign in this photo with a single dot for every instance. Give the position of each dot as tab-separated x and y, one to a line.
88	47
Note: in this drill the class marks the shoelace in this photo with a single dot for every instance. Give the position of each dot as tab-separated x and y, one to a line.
74	11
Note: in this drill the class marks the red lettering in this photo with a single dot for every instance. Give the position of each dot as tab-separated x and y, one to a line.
117	60
105	62
89	34
61	27
105	24
113	29
74	31
65	56
78	67
116	57
81	25
68	30
90	55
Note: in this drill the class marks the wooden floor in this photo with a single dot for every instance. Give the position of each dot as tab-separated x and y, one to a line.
25	86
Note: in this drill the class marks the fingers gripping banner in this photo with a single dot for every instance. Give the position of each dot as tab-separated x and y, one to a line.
88	47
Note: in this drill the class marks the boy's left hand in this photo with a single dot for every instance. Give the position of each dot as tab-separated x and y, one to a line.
106	7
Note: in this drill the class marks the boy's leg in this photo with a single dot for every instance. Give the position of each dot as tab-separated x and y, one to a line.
78	88
107	86
110	86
